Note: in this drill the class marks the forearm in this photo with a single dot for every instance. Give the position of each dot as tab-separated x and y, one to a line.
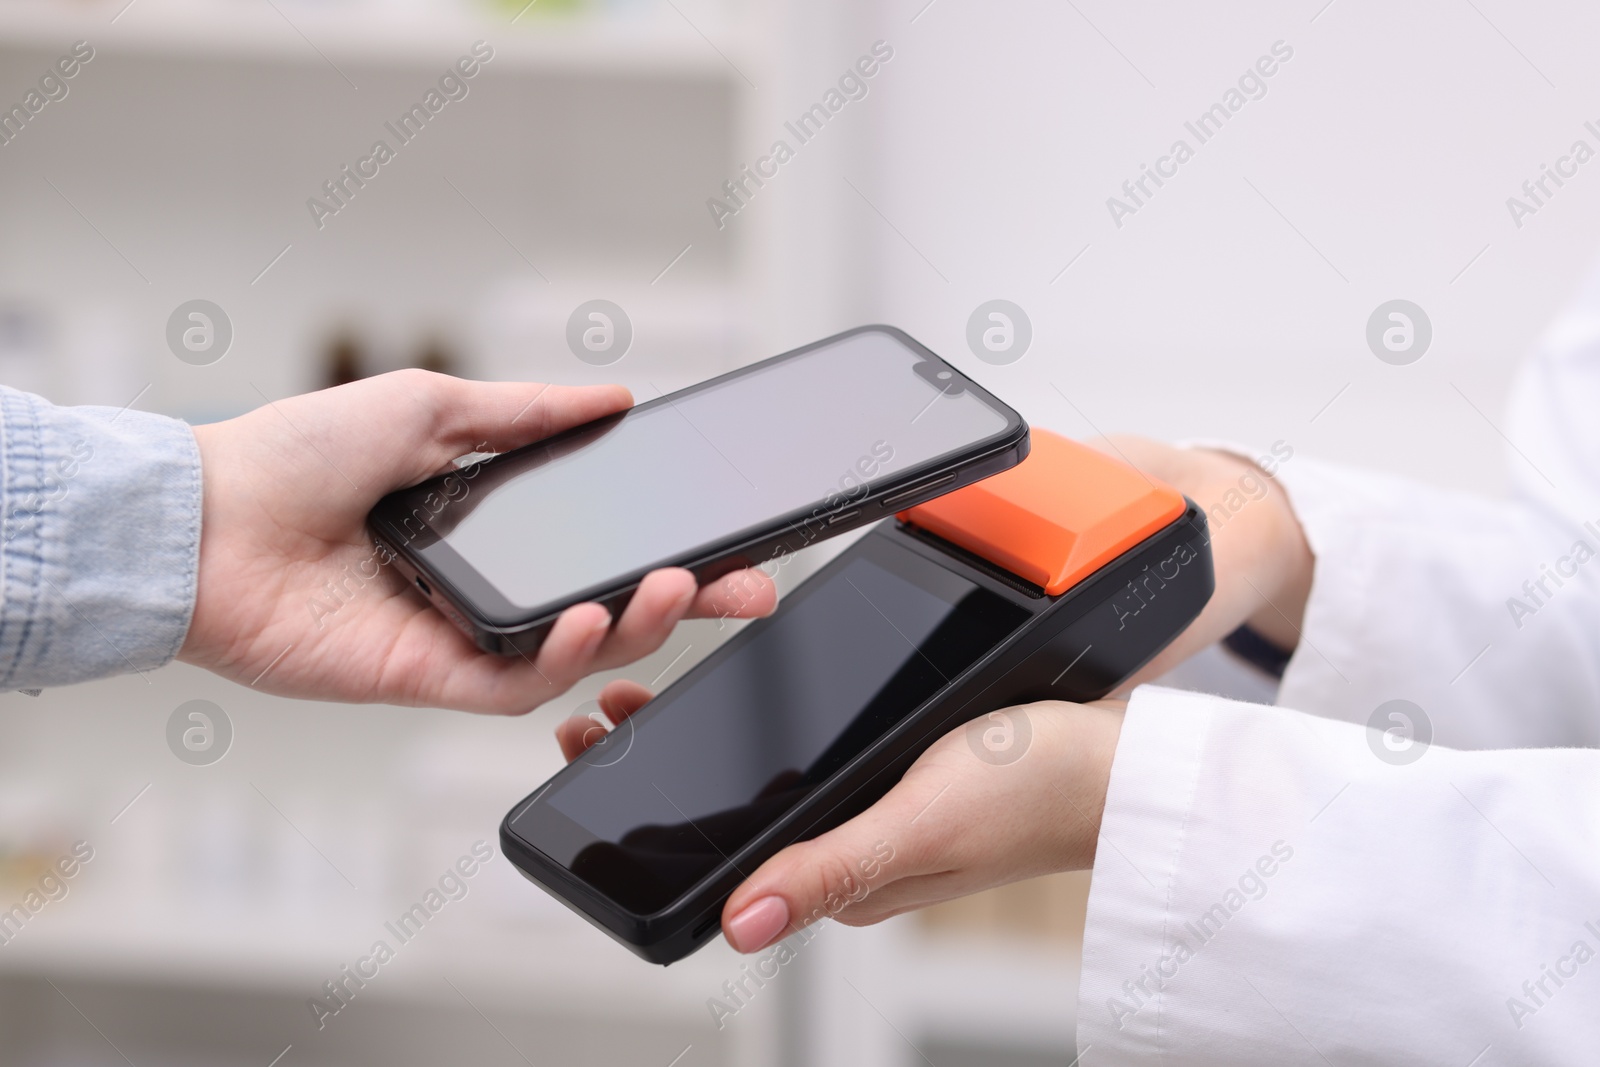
99	540
1274	881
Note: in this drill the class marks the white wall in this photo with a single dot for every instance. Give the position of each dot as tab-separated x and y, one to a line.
1391	141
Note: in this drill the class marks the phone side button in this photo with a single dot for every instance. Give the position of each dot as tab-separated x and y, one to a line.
893	503
843	517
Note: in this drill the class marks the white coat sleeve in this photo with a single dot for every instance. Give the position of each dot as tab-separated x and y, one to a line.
1271	890
1484	613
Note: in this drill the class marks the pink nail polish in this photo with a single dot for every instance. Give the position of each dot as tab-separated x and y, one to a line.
758	924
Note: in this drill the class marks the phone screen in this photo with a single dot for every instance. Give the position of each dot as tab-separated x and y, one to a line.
696	774
545	525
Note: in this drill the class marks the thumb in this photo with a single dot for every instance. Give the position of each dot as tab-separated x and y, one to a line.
431	419
504	415
820	878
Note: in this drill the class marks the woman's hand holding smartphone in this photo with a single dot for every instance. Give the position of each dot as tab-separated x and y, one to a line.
294	598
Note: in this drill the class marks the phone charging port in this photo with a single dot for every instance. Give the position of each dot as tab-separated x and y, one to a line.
705	926
422	585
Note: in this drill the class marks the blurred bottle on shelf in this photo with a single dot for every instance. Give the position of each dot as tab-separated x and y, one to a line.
436	356
550	8
343	361
36	829
24	347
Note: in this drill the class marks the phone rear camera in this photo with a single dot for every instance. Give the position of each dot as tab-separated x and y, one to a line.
422	585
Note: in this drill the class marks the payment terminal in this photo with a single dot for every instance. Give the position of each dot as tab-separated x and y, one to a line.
1056	579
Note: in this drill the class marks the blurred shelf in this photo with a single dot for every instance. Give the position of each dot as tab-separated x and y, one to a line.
566	968
989	989
296	32
959	986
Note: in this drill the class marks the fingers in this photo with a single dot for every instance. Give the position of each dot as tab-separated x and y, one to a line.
617	701
431	664
958	822
583	641
666	597
622	698
814	880
576	734
828	875
570	647
659	604
747	594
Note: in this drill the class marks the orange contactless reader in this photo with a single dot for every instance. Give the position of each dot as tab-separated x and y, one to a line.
1058	578
1112	564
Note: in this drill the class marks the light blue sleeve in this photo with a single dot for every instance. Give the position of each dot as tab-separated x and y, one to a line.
99	540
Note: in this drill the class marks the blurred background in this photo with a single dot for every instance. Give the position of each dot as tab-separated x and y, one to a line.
578	162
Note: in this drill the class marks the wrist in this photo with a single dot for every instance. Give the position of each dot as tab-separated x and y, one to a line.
217	614
1080	775
194	636
1285	572
1268	546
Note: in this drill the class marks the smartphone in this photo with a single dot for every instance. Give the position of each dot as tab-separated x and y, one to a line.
804	719
726	474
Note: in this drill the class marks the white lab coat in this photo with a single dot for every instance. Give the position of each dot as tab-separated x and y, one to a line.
1271	890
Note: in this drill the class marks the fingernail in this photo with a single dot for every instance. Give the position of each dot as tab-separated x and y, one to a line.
758	925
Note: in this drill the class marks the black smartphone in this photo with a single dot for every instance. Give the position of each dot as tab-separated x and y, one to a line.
726	474
804	719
